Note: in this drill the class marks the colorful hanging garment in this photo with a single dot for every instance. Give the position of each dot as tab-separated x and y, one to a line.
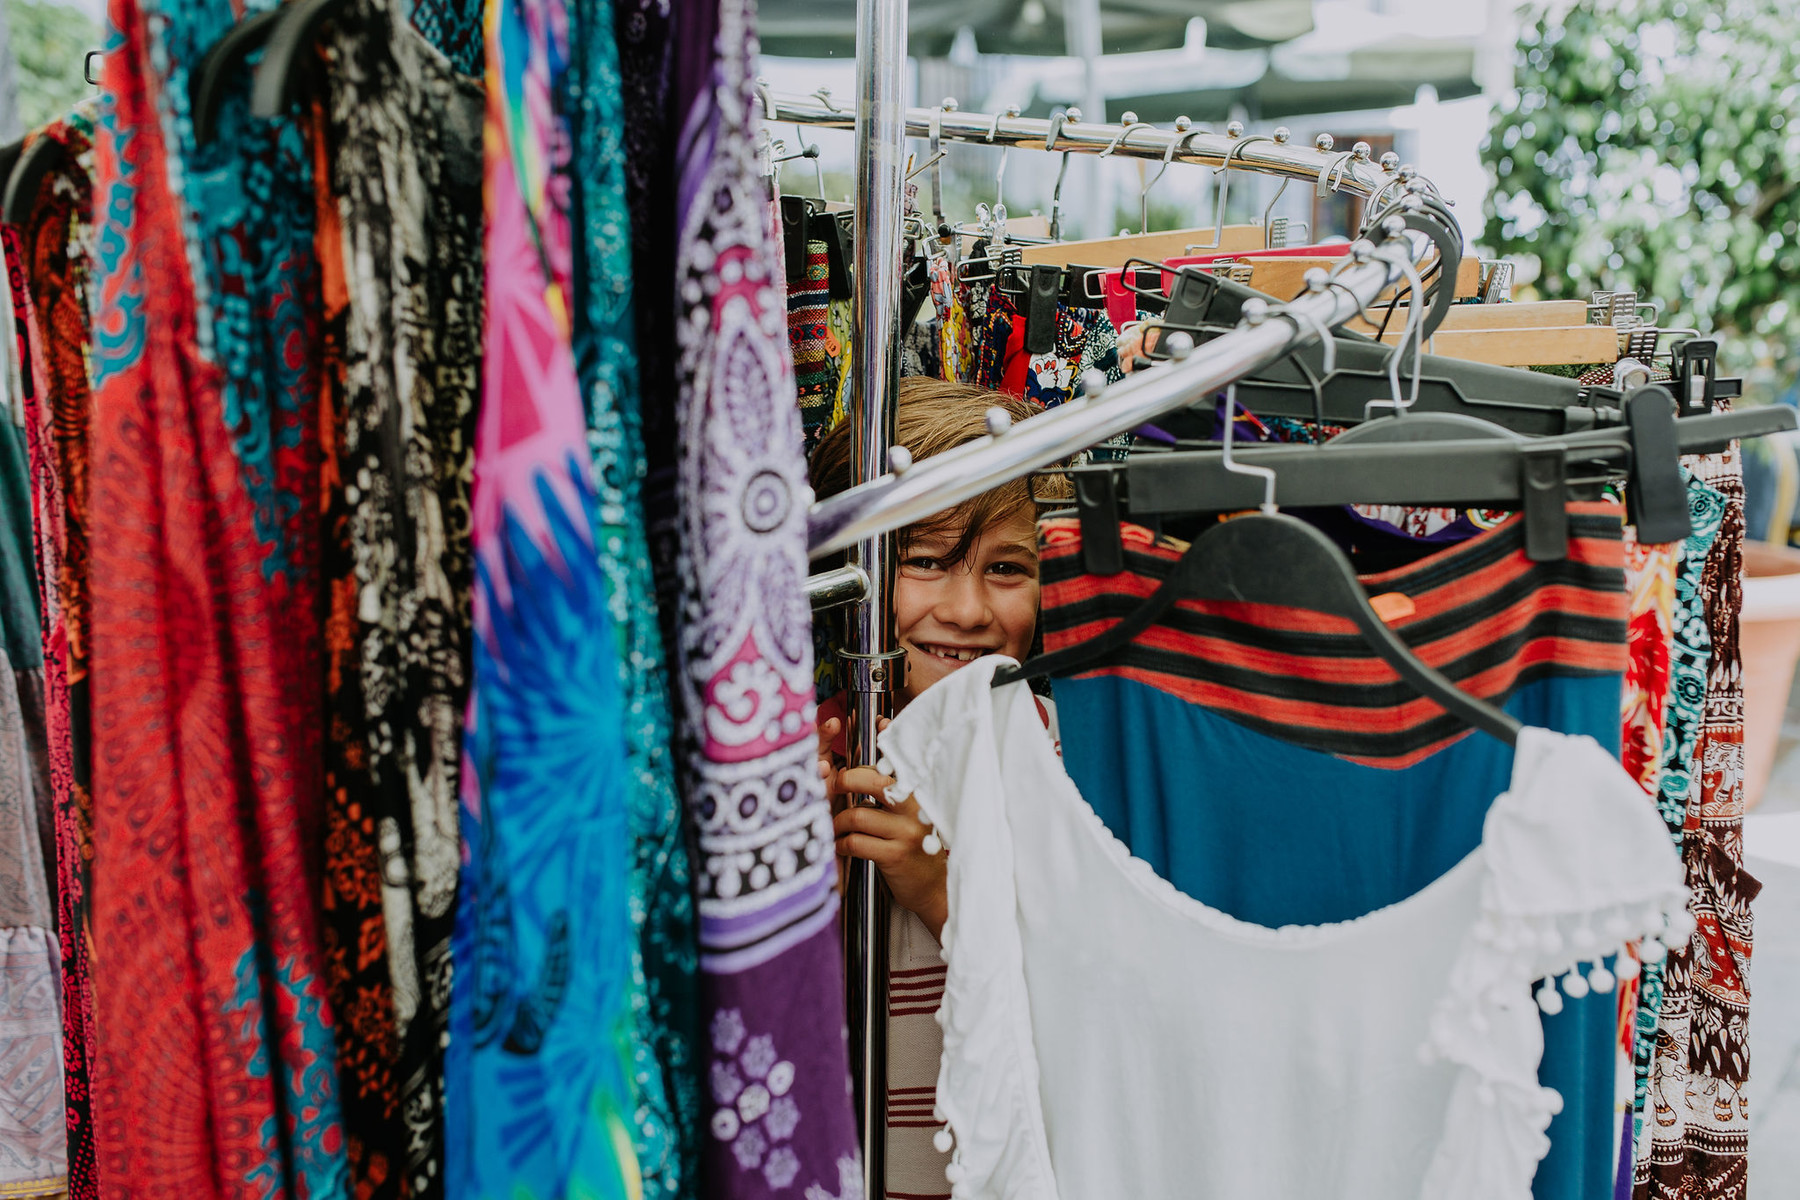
454	28
33	1134
404	302
1650	572
665	1066
1657	1133
1698	1114
538	1075
953	322
1650	581
215	1070
57	255
808	329
779	1118
646	72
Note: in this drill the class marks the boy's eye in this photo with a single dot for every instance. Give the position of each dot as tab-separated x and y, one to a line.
920	562
1007	568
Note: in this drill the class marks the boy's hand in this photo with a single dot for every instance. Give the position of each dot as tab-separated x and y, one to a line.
891	838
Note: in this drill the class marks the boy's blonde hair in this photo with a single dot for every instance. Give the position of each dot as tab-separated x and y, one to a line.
934	416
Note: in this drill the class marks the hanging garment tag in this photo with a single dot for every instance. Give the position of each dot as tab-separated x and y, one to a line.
1393	606
1040	308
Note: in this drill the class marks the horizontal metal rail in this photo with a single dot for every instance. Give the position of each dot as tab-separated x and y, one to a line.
1330	169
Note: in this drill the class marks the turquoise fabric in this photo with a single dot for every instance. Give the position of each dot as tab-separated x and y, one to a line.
1277	834
665	965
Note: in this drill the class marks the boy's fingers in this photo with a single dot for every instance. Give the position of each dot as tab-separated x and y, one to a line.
876	823
866	781
879	851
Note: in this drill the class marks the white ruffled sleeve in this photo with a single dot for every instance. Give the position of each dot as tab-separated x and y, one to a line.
1577	863
945	750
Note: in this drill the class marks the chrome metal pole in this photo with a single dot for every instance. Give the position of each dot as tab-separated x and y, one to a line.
872	661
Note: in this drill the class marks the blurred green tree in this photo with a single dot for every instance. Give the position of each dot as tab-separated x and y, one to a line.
1655	145
49	41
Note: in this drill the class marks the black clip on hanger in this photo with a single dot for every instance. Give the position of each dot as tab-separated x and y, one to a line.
1273	558
1697	385
1656	499
218	67
1043	290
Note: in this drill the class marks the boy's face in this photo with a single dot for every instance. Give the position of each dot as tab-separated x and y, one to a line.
986	604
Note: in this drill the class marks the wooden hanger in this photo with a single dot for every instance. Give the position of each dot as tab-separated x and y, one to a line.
1544	333
1173	243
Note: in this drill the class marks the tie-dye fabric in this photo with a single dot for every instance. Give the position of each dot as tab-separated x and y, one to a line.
665	1066
215	1068
779	1115
539	1100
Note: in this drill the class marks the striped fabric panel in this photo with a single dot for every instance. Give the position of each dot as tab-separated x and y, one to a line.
1482	613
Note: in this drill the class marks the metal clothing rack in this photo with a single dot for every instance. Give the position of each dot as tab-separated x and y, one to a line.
1329	168
890	492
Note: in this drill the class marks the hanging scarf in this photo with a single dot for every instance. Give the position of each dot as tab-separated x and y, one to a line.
402	259
215	1067
57	259
779	1117
666	1129
538	1075
33	770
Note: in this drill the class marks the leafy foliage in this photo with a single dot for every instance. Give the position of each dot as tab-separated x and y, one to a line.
49	42
1655	145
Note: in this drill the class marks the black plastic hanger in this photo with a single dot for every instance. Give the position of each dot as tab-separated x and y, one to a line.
218	69
1533	476
296	29
26	177
1529	402
1272	558
9	157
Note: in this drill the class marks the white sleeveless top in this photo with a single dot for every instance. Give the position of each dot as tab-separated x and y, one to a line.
1107	1036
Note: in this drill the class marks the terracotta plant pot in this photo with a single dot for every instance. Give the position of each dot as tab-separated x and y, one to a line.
1770	639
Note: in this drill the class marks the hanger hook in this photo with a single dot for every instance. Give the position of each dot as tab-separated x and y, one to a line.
1231	465
1223	178
811	152
1176	141
1062	172
937	171
1415	315
1131	127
